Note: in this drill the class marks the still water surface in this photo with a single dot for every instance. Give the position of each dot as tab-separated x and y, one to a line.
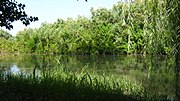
157	74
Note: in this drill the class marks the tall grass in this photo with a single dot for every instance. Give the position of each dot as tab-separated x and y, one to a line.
68	86
60	85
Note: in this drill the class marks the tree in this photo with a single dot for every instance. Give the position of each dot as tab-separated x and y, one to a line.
4	34
10	11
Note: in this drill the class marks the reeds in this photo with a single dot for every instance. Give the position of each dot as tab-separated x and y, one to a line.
57	84
68	86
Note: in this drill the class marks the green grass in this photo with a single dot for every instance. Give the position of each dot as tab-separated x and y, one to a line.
67	86
58	85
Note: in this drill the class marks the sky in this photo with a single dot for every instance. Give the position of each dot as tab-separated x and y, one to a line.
50	10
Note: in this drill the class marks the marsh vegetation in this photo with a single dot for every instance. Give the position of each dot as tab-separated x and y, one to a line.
129	52
87	78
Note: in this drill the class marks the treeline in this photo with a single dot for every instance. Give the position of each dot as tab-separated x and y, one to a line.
139	27
5	41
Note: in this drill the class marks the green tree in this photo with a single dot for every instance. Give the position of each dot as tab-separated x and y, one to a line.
4	34
5	42
10	11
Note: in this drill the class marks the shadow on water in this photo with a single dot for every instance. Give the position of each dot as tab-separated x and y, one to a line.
158	75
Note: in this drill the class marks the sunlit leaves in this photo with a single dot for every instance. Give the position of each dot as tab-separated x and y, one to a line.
141	27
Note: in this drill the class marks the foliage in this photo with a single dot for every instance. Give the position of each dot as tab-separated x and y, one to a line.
4	34
174	18
11	11
142	26
5	43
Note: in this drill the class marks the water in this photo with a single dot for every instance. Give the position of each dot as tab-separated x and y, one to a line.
157	74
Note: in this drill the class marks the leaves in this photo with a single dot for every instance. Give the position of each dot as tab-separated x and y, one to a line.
136	27
11	11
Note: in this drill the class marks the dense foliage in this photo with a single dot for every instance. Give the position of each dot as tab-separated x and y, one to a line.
5	41
141	27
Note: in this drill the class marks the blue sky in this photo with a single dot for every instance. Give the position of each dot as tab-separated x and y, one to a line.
50	10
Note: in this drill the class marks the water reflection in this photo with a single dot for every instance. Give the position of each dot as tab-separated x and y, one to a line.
10	70
157	74
14	69
126	65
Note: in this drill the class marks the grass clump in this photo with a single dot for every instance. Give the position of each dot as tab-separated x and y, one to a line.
68	86
59	85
